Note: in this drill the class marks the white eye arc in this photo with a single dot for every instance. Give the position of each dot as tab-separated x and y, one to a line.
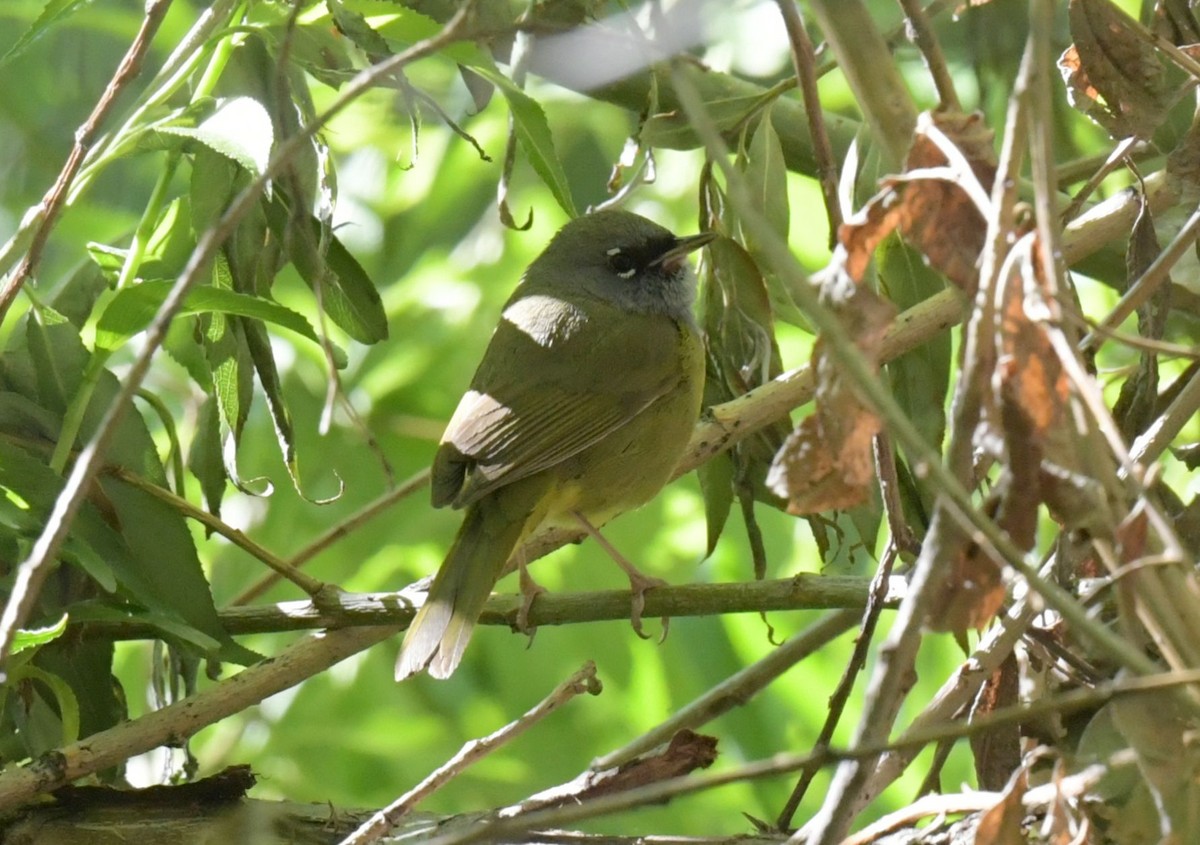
621	264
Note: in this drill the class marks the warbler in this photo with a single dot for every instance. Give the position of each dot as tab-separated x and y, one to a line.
580	409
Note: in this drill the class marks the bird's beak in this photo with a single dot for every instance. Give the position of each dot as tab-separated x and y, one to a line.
674	258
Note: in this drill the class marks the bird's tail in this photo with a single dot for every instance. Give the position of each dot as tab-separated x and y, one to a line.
439	633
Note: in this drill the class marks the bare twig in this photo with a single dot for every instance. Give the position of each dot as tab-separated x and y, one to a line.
343	610
1160	434
935	60
957	691
52	204
1068	702
180	720
738	688
381	822
1141	290
805	64
337	532
841	694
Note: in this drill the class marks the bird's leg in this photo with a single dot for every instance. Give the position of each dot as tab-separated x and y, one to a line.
530	590
639	582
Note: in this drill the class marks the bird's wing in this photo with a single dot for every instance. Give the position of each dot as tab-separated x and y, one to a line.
560	399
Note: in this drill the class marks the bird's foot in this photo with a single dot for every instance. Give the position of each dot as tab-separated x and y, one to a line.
639	583
530	590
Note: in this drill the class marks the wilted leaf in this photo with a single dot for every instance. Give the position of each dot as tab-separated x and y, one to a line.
971	593
1001	824
827	463
1112	73
997	751
935	215
1137	404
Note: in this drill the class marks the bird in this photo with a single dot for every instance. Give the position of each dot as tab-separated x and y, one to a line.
579	410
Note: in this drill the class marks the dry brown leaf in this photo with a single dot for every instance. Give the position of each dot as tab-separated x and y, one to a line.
971	594
1112	72
997	751
827	463
935	215
686	752
1001	825
1031	393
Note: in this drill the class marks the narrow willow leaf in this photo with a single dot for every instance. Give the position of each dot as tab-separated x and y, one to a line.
131	311
716	485
533	132
347	292
204	456
30	637
766	173
53	12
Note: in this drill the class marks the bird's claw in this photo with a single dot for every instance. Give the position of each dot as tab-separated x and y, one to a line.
530	590
639	584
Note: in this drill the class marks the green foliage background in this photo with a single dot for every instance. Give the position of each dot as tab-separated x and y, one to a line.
425	228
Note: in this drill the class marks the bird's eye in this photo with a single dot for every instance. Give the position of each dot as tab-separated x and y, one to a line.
621	264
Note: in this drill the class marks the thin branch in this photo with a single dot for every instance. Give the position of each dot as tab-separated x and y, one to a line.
804	62
1140	291
345	610
841	694
658	793
54	201
1163	431
280	568
382	822
739	688
877	85
935	60
336	533
178	721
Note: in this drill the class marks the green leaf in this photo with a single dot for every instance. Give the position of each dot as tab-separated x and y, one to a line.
355	27
58	356
53	12
213	183
533	132
65	700
920	379
766	173
153	563
406	26
131	311
240	129
347	292
233	373
716	485
204	456
30	637
158	538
